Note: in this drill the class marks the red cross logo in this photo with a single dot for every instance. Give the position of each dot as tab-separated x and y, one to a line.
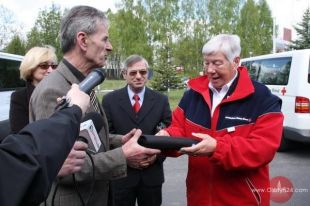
283	91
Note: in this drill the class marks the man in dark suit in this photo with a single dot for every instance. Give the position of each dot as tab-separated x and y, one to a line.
136	106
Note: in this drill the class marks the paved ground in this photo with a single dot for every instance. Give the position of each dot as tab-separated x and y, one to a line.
294	165
174	190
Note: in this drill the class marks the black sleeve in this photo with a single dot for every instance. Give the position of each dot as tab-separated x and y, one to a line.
166	116
31	159
106	105
166	120
19	116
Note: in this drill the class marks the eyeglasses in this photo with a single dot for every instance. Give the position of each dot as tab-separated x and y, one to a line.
46	66
135	72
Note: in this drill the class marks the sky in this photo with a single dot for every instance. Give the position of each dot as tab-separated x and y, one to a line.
286	12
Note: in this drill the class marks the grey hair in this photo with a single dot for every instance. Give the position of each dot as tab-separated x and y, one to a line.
228	44
79	19
132	59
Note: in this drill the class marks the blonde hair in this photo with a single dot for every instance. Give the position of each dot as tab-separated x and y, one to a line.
33	58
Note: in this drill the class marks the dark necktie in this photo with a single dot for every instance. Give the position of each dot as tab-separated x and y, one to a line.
94	101
136	105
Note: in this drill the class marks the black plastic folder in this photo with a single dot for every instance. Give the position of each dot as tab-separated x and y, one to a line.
165	143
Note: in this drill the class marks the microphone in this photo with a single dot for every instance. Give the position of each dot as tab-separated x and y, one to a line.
89	129
166	143
93	79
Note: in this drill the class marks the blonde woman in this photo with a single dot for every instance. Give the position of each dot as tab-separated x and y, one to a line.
37	64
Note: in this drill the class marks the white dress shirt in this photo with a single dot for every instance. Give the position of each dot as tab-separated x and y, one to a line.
219	95
140	94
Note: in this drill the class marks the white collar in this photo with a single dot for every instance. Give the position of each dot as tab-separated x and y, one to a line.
225	87
140	94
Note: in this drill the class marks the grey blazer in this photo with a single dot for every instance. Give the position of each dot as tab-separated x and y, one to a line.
109	164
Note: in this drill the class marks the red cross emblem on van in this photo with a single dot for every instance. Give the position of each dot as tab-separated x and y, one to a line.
283	91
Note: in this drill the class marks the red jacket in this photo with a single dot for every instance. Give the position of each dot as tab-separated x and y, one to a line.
247	125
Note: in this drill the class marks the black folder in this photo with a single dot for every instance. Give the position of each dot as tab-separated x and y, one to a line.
166	142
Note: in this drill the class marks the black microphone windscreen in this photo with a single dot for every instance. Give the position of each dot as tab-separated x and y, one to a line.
96	118
93	79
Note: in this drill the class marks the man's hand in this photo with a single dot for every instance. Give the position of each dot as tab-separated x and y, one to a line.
77	97
148	161
127	136
75	159
136	155
204	148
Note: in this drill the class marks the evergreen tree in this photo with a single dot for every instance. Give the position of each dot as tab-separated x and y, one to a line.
303	32
165	76
33	38
16	46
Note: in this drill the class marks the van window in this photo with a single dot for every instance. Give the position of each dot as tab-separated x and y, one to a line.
273	71
9	75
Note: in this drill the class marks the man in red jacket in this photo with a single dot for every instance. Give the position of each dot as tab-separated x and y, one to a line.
239	123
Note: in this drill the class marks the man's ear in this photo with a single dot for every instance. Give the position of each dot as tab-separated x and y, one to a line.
237	61
124	72
81	38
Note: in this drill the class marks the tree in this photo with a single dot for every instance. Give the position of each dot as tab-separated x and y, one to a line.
147	28
33	38
223	16
16	46
165	77
265	28
46	29
255	28
187	47
163	26
303	32
8	26
171	33
128	35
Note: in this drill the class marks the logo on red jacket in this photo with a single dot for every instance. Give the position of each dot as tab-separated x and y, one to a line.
281	189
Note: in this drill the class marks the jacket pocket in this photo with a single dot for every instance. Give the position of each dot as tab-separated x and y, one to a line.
254	191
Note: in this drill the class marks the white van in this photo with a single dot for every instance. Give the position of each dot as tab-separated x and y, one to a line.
287	75
9	81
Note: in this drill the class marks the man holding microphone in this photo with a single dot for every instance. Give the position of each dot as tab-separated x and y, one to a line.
31	159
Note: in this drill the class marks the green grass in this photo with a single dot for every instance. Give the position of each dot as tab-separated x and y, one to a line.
174	95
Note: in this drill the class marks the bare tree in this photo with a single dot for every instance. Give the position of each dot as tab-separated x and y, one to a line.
8	26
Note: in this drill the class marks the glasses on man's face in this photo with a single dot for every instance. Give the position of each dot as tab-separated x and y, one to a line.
135	72
46	66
